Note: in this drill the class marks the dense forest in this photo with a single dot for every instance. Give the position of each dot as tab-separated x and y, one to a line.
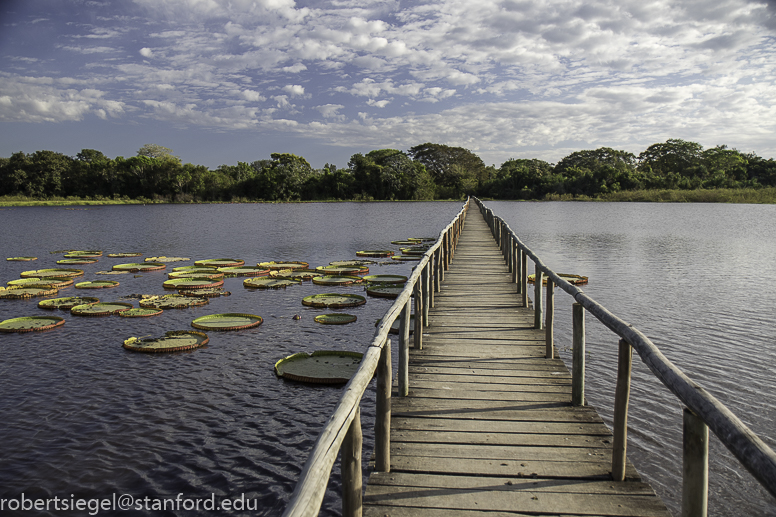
426	171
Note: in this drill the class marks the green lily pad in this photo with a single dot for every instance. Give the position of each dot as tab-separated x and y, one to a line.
406	257
166	259
572	279
100	309
422	239
20	292
227	321
135	267
76	261
172	301
31	323
320	367
244	271
98	284
22	259
67	302
124	255
299	274
277	265
352	263
374	253
337	280
54	273
414	250
173	341
84	254
336	318
404	243
192	283
111	272
194	268
333	300
266	282
385	291
202	272
220	262
386	279
140	313
343	270
59	283
207	292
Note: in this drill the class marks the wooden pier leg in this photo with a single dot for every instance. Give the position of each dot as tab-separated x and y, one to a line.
351	469
578	356
383	411
549	338
538	304
424	286
695	466
524	278
404	349
418	328
621	396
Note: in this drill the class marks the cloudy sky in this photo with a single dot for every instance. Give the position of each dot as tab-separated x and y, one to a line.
222	81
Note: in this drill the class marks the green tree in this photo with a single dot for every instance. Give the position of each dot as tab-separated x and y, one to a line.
455	169
674	156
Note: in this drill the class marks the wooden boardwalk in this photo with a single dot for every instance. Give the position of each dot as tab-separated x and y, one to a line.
488	427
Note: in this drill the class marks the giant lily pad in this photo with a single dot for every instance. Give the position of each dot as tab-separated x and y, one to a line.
385	290
124	255
333	300
140	313
59	283
265	282
220	262
320	367
298	274
352	263
386	279
172	301
414	250
337	318
406	258
192	283
404	243
98	284
337	280
135	267
100	309
342	270
30	291
67	302
276	265
227	321
22	259
244	271
54	273
31	323
76	261
374	253
202	272
173	341
572	279
422	239
83	254
207	292
166	259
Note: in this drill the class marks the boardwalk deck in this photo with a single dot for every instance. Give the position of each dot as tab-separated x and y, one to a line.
488	425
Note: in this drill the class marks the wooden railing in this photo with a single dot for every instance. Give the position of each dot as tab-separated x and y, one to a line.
702	411
343	429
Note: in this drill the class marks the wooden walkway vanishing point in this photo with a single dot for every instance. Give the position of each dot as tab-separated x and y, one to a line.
488	427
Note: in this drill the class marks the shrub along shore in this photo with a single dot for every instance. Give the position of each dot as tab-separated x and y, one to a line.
673	171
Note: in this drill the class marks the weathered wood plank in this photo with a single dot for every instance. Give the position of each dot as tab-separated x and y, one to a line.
484	438
497	426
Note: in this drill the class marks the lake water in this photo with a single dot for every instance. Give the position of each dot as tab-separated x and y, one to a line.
83	416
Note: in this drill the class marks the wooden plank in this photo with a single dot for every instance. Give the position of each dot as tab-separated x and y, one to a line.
399	423
484	438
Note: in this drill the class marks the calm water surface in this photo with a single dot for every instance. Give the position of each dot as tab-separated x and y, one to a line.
83	416
700	281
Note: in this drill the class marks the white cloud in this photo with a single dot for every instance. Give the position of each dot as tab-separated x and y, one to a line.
146	52
294	90
331	111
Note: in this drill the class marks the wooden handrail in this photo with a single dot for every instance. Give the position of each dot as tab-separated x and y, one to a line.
311	487
746	446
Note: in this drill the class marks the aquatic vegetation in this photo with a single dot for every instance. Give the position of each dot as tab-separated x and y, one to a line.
320	367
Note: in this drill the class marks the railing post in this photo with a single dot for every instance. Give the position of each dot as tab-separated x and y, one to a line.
431	280
695	466
621	396
351	468
523	289
383	411
578	356
404	349
549	338
518	267
424	285
437	270
538	305
511	255
418	328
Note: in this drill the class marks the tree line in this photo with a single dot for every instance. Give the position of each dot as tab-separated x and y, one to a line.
424	172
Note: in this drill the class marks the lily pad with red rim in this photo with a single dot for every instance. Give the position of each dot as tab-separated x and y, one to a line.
406	258
277	265
202	272
374	253
320	367
192	283
136	267
21	259
20	292
265	282
140	313
385	290
59	283
173	341
328	280
100	309
343	270
97	284
76	261
124	255
244	271
219	262
227	321
31	323
164	259
172	301
333	300
299	274
66	303
568	277
386	279
336	318
53	273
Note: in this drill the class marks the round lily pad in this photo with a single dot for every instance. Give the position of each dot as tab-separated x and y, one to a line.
374	253
276	265
166	259
76	261
98	284
135	267
22	259
414	250
19	292
320	367
192	283
422	239
100	309
385	290
124	255
406	257
299	274
172	301
221	262
266	282
173	341
337	280
67	302
54	273
195	268
336	318
244	271
207	292
572	279
202	272
111	272
343	270
227	321
352	263
83	254
386	279
31	323
59	283
333	300
404	243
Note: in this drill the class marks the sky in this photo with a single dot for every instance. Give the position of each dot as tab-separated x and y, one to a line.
224	81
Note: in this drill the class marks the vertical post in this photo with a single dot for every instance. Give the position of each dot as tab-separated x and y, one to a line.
383	410
404	349
418	328
515	262
621	396
431	280
538	287
351	468
549	338
578	356
437	275
424	285
695	466
524	278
